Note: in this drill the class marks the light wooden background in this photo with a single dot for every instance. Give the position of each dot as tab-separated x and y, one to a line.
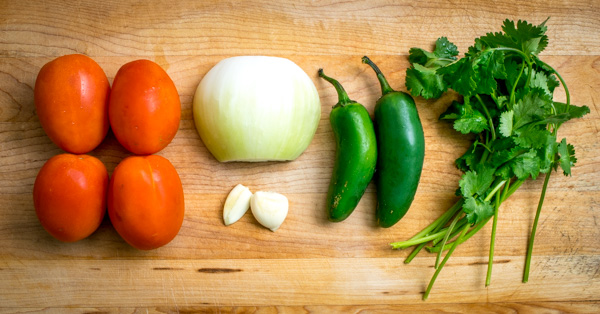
308	265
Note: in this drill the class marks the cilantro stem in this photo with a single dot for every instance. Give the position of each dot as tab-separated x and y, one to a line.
439	269
530	70
459	224
448	232
436	60
477	142
434	227
567	94
514	87
455	232
533	229
525	57
441	221
487	113
494	190
488	277
512	189
481	224
414	253
471	233
409	243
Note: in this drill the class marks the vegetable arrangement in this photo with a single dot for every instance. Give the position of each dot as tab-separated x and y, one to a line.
265	108
507	103
145	195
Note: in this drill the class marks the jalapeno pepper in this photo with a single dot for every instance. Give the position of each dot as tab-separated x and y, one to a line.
355	157
401	150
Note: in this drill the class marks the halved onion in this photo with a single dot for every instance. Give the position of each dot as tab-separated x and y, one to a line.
256	108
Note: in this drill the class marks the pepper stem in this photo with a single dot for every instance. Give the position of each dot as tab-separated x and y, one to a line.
385	87
343	98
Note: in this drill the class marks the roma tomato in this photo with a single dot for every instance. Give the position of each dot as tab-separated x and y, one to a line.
71	96
69	196
145	201
144	108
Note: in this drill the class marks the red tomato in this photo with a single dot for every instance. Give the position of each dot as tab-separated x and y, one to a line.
69	196
145	201
144	108
71	99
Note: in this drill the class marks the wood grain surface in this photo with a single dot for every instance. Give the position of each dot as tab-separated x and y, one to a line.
309	264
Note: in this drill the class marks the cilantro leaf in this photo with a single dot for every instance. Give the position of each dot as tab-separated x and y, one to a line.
491	62
422	78
489	66
506	123
505	172
513	69
425	82
477	182
526	165
445	49
573	111
444	53
529	109
498	39
567	158
504	151
470	158
531	137
477	210
419	56
475	122
547	153
527	37
460	76
466	118
544	82
501	101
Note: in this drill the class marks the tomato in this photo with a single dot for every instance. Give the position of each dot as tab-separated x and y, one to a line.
144	108
145	201
71	96
69	196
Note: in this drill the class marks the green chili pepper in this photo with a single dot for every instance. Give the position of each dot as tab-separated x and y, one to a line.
401	150
355	157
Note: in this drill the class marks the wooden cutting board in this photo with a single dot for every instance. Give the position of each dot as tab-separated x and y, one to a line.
309	264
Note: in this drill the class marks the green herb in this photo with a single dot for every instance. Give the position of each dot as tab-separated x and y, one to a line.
507	102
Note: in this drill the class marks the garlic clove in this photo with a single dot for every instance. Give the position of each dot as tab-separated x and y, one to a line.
269	208
236	204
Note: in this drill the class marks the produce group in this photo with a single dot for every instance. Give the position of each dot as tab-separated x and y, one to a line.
257	108
506	101
75	106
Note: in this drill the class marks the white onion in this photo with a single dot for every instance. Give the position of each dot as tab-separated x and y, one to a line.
255	108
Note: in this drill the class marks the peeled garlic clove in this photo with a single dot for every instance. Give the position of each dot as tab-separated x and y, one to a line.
269	208
236	204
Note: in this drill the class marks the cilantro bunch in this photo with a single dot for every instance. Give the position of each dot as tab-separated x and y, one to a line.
506	101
